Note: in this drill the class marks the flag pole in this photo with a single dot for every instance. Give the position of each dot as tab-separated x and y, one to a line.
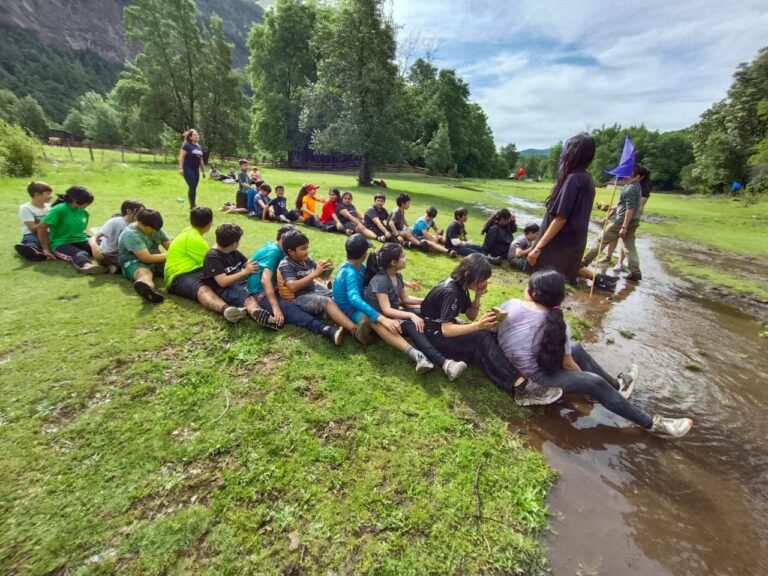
602	235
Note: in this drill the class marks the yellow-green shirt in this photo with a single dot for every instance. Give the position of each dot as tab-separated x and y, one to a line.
186	254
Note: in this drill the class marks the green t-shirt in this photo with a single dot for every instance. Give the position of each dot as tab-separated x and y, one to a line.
185	254
66	225
132	239
268	256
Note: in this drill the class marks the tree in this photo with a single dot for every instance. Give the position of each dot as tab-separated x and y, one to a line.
8	101
30	116
438	153
511	155
282	64
18	150
354	107
552	164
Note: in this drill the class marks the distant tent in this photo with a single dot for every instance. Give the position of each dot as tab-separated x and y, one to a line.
736	186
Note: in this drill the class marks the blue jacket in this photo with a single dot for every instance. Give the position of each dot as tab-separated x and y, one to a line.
348	291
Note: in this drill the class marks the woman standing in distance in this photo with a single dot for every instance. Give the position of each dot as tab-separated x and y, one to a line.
563	233
191	163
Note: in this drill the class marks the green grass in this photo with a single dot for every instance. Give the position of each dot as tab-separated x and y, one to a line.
718	277
141	439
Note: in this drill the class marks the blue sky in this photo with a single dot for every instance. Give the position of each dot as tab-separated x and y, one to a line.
544	70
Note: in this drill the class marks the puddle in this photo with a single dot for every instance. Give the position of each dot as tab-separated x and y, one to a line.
630	503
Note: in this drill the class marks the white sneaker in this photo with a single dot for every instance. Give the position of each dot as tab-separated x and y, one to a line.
533	394
284	218
453	369
627	381
670	427
423	364
234	314
619	267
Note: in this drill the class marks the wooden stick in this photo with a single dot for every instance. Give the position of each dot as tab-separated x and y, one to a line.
602	235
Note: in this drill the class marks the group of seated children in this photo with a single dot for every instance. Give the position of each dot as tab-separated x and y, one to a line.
524	347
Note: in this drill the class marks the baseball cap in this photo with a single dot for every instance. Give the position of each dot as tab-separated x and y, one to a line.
356	246
312	187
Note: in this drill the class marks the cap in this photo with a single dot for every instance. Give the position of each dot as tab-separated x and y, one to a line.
312	187
357	245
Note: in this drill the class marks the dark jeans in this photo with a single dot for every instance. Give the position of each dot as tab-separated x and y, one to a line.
480	349
31	239
79	254
193	178
597	383
293	314
421	342
468	249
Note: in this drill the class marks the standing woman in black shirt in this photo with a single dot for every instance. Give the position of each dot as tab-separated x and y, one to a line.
191	163
563	234
475	343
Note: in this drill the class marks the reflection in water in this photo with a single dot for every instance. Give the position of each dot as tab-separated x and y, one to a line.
628	502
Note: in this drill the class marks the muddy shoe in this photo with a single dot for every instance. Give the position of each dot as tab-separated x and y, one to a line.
532	394
633	277
670	427
89	269
148	292
334	333
362	331
453	369
29	252
234	314
423	364
495	260
264	318
627	381
605	282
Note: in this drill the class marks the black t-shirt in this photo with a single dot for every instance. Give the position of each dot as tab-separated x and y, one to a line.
444	303
565	251
349	208
279	204
455	230
217	262
370	214
398	218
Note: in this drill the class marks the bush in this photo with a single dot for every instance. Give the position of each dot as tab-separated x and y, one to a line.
18	151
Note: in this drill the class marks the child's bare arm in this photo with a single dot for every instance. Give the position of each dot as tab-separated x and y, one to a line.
45	242
146	257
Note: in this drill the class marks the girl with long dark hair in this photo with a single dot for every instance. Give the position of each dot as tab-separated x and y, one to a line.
475	342
536	339
498	231
191	163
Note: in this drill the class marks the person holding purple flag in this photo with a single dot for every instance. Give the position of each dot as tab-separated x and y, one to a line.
562	236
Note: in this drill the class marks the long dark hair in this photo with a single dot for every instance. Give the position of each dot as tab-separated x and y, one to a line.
473	269
645	178
303	191
380	259
75	195
578	153
547	288
495	218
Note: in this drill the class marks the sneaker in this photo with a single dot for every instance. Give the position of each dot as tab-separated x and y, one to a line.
407	244
284	218
88	269
619	267
334	333
633	277
381	238
252	214
148	292
453	369
362	331
30	252
234	314
112	269
453	254
495	260
670	427
627	381
605	282
423	364
532	394
264	318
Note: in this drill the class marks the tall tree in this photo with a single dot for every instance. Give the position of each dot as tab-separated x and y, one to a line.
511	155
29	115
282	64
354	107
438	156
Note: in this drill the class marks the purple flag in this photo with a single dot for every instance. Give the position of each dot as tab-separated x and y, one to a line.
627	163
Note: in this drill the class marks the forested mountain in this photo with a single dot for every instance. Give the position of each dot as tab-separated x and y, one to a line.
56	51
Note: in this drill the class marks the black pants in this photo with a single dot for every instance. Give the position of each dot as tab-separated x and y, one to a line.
79	253
421	342
480	349
193	178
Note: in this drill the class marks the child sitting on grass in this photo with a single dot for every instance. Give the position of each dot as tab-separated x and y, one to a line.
263	285
258	199
109	234
456	237
139	253
298	282
62	232
434	240
498	231
375	219
306	204
30	214
184	266
522	246
241	196
348	294
328	219
399	226
385	291
277	208
226	271
348	216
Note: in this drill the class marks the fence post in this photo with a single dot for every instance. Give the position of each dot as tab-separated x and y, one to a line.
139	154
90	151
165	156
70	151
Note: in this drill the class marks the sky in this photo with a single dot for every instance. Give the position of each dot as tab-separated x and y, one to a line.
544	70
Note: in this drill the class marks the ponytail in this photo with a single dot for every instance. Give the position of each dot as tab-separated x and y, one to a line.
74	195
300	198
380	259
547	288
495	218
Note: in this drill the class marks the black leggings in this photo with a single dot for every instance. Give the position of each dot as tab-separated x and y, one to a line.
79	253
421	342
193	178
480	349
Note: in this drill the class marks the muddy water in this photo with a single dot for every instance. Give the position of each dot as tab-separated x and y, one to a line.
630	503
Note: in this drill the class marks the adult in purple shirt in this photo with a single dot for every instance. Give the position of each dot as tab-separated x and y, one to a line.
563	233
191	163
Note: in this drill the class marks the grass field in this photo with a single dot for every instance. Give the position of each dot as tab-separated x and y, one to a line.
144	439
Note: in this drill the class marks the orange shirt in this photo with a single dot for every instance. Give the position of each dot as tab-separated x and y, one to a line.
311	204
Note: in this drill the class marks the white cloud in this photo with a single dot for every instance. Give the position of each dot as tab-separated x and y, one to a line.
661	63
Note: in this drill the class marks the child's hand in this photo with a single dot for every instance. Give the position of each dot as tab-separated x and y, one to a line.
278	315
48	254
418	321
322	267
412	284
487	320
390	324
251	267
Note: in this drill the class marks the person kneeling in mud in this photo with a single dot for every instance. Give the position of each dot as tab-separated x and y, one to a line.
552	359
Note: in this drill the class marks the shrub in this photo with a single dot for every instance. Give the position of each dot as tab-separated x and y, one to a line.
18	151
